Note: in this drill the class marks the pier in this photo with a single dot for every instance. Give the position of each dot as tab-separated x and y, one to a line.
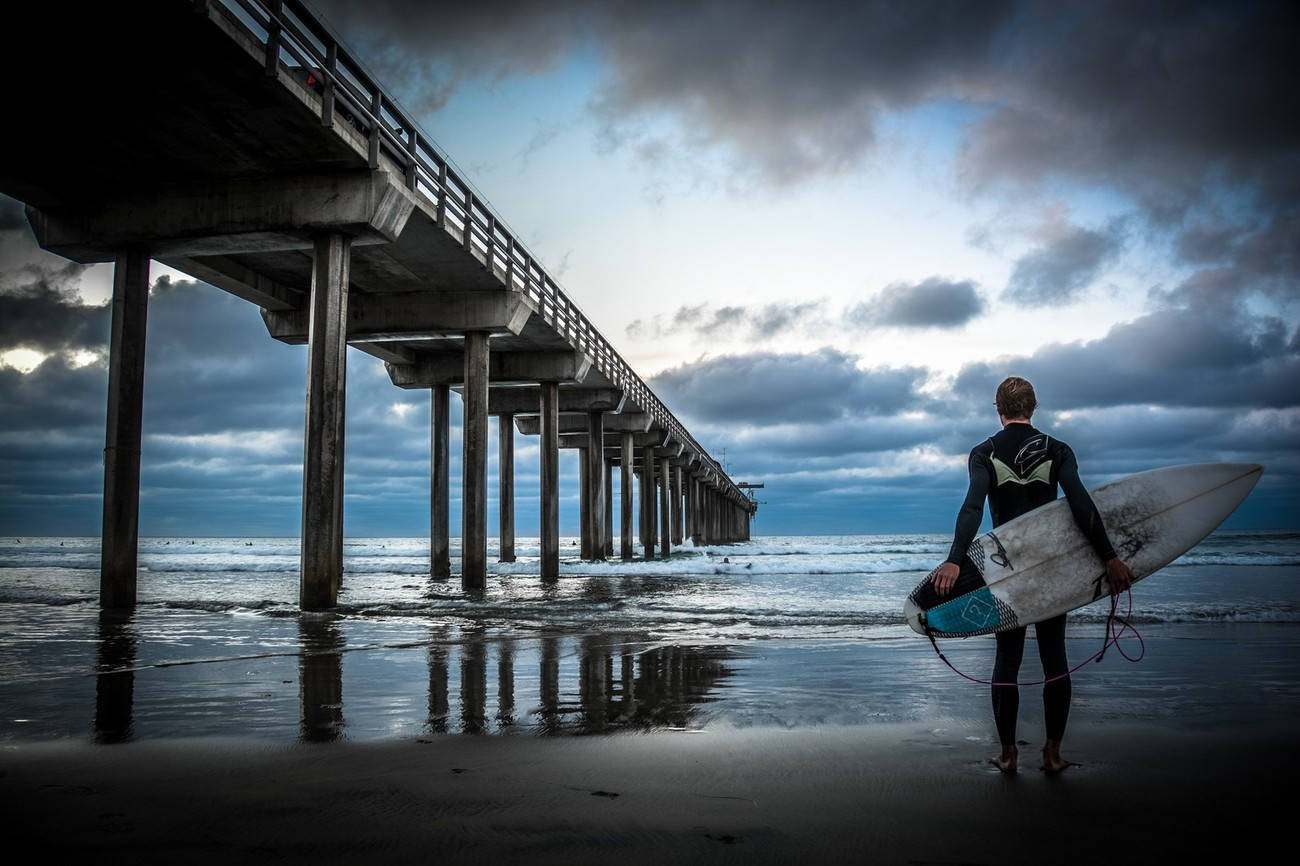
262	158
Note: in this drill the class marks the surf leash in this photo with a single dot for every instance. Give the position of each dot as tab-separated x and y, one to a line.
1112	638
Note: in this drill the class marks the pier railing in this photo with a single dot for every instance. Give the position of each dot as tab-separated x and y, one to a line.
294	39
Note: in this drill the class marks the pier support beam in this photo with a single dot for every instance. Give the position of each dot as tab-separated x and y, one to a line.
439	486
665	508
322	470
473	530
584	505
550	481
607	531
119	542
648	507
506	484
594	454
677	505
625	499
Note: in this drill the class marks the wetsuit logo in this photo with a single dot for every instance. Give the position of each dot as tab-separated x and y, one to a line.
1031	463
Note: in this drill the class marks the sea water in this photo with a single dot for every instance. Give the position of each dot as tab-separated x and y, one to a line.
791	630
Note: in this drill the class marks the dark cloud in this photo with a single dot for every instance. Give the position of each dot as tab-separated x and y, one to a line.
39	310
1163	101
1062	268
767	388
1183	357
932	303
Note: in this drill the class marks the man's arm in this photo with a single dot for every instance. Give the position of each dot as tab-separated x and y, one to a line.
972	510
1084	509
968	523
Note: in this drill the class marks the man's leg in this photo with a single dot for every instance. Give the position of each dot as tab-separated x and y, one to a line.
1006	698
1056	694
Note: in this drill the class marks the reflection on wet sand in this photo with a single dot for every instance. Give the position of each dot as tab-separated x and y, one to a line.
584	684
115	682
320	679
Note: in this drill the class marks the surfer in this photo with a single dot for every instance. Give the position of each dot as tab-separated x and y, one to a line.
1017	470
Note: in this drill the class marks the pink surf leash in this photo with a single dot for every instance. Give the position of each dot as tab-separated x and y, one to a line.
1112	638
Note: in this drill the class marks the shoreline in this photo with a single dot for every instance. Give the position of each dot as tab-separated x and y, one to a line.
884	793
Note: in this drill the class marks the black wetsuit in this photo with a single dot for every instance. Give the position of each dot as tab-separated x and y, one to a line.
1018	469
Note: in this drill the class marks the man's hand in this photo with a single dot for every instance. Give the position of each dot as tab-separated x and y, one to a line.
1118	575
944	577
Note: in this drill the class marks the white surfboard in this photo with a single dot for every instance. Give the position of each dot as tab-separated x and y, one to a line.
1040	565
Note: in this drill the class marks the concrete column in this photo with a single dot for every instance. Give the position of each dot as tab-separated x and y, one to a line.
607	531
665	507
648	507
550	481
676	476
439	487
122	433
506	485
474	432
595	454
322	470
625	498
584	506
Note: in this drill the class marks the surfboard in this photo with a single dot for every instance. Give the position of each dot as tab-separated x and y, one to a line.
1040	564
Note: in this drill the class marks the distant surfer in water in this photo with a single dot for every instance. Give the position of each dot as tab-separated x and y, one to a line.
1017	470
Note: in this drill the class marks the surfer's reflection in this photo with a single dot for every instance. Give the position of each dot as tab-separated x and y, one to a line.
115	682
320	679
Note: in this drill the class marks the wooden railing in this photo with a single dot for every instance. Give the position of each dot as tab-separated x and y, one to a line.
294	40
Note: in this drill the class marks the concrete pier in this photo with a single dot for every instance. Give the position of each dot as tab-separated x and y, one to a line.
345	232
626	458
124	428
439	487
474	433
322	483
550	481
506	485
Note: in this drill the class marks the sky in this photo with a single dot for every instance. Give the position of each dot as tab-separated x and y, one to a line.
823	232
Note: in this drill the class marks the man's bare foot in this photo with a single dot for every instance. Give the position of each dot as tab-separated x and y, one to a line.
1052	760
1007	760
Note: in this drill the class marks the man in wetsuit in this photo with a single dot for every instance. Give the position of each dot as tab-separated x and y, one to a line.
1018	469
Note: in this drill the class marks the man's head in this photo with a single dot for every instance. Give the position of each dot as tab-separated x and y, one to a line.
1015	399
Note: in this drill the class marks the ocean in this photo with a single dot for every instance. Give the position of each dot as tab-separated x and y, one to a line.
789	631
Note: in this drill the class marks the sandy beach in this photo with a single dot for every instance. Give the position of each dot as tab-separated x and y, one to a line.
879	794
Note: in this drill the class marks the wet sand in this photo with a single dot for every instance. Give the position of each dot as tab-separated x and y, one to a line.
883	793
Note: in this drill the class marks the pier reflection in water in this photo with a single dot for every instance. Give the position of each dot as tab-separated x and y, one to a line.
426	681
320	679
115	680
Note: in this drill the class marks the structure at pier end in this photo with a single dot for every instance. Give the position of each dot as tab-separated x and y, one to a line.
274	166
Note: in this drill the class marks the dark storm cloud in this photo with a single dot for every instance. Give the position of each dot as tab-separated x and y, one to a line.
931	303
39	310
1061	269
1160	100
1191	357
767	388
